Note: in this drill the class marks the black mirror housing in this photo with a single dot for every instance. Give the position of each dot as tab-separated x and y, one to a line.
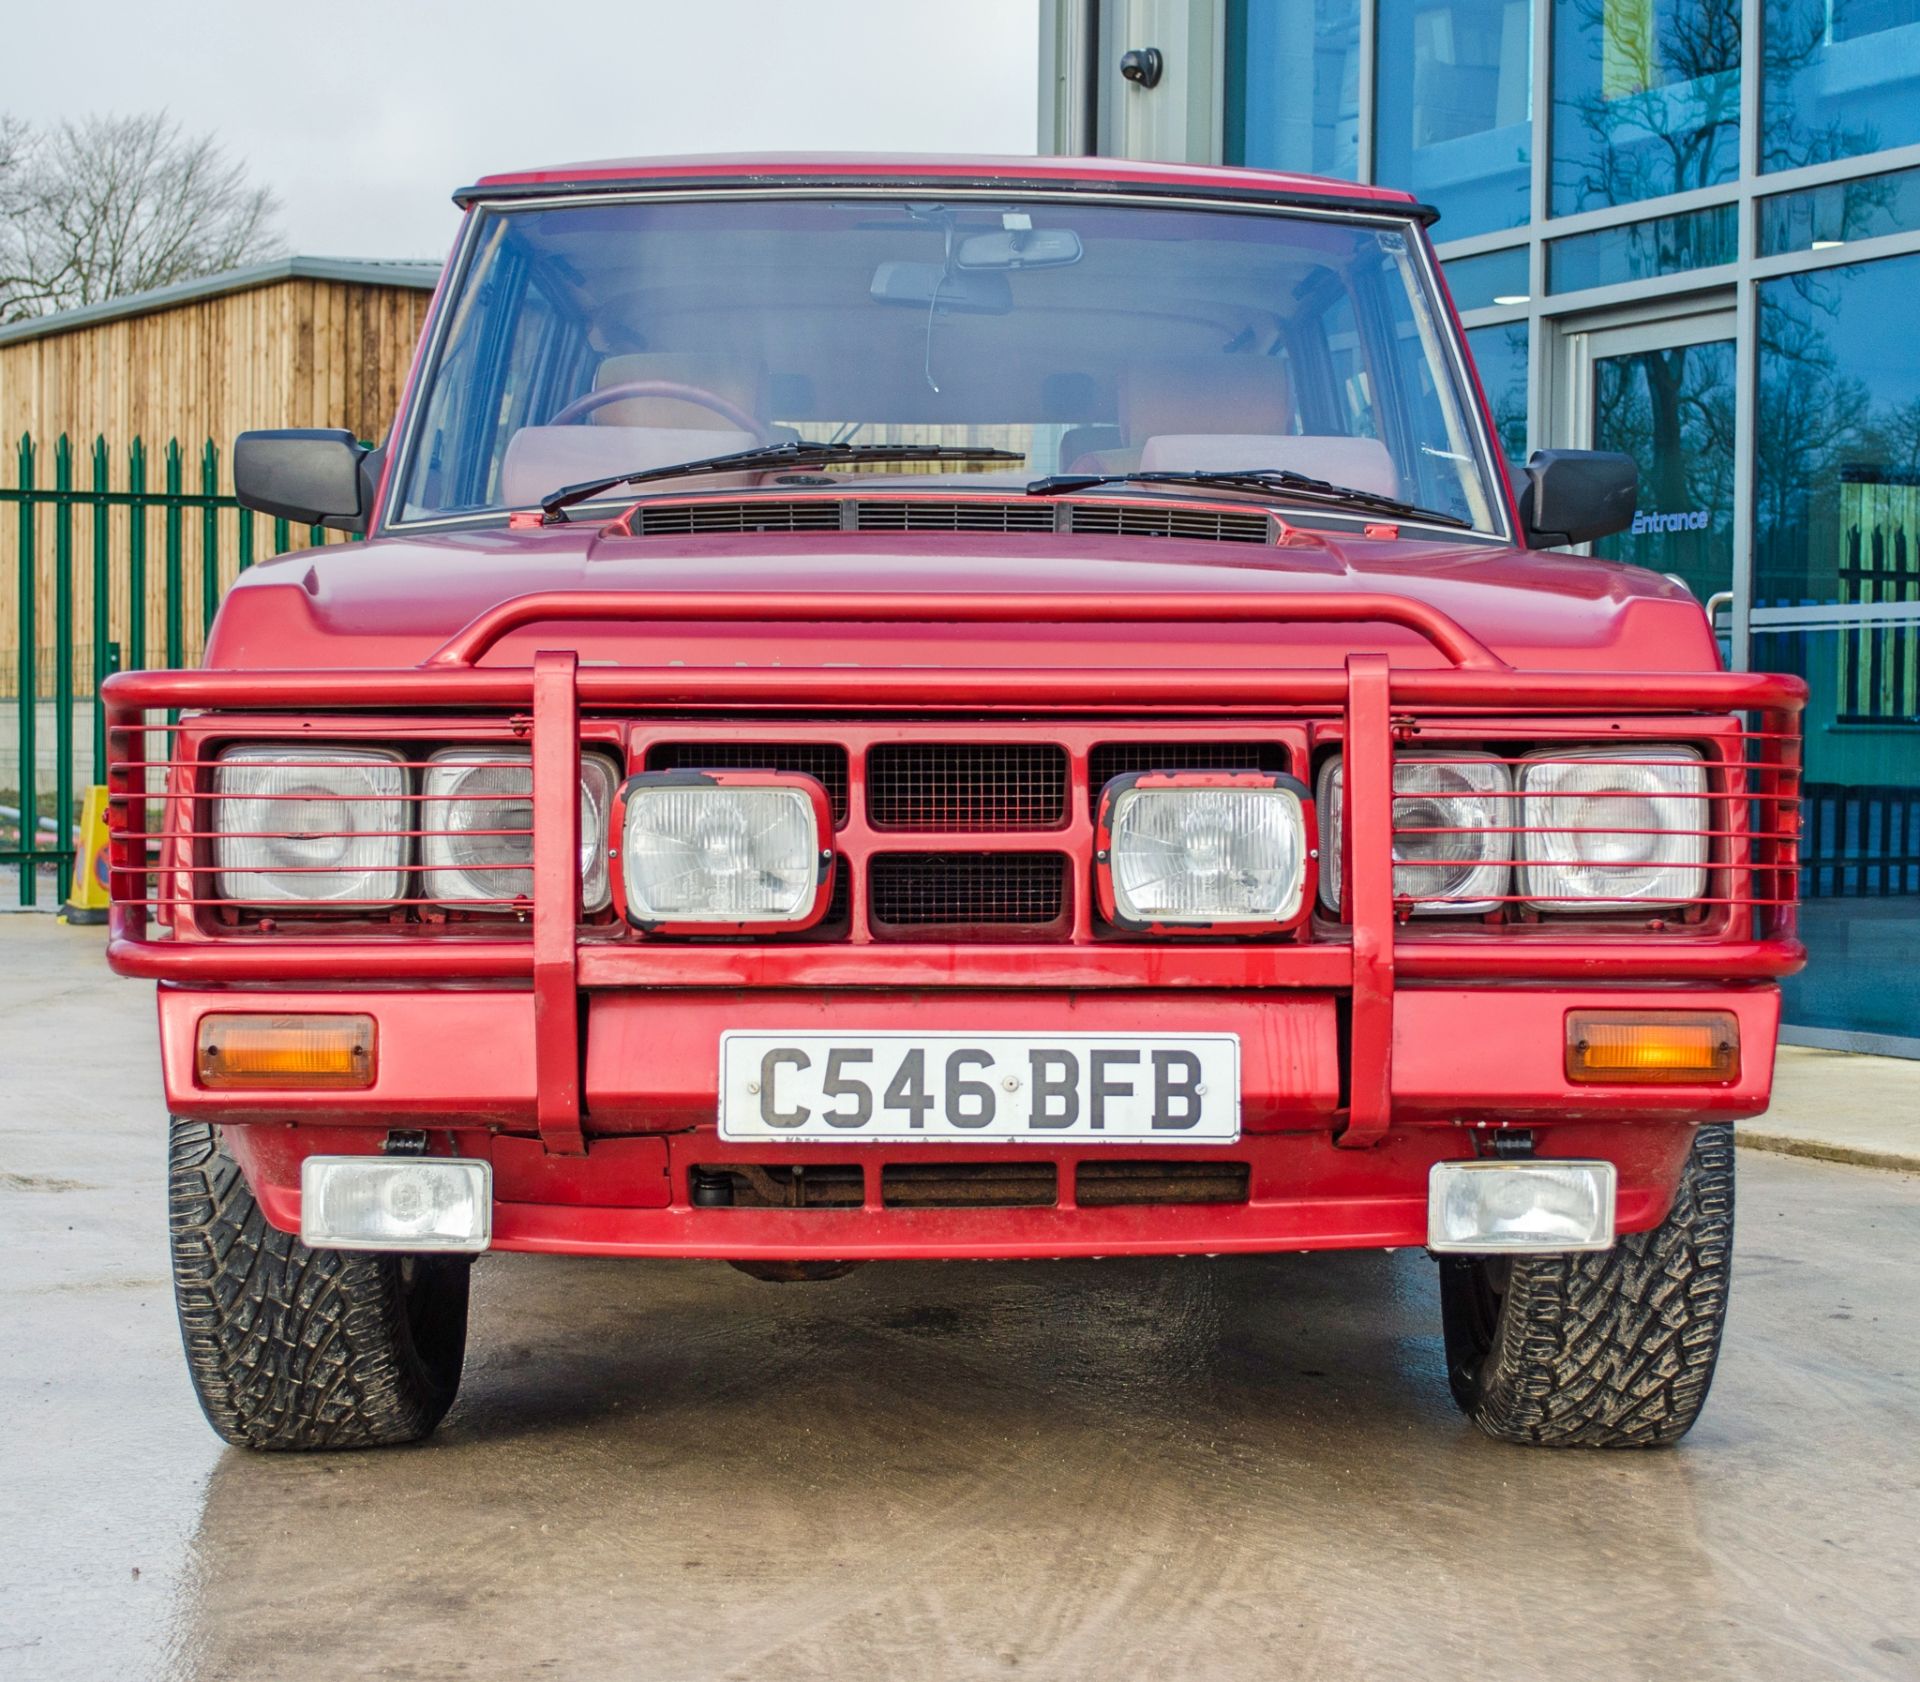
1574	496
317	476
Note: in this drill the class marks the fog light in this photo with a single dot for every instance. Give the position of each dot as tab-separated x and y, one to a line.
1520	1208
325	1052
395	1203
1610	1046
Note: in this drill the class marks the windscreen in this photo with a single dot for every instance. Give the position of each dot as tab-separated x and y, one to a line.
608	337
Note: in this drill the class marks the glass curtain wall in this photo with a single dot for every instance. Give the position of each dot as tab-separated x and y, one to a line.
1297	104
1454	93
1836	582
1603	167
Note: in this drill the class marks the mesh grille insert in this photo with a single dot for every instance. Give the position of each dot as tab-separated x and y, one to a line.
826	762
916	892
956	787
1117	759
1200	524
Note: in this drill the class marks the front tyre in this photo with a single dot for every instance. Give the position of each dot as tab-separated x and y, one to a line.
294	1348
1599	1349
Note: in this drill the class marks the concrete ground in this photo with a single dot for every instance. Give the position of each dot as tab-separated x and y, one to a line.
1071	1470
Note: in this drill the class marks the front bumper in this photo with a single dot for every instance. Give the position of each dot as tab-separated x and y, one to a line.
459	1065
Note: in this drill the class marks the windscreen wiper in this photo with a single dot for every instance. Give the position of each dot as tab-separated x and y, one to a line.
1275	480
798	452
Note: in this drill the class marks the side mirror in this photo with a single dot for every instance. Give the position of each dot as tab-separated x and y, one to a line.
1574	496
319	476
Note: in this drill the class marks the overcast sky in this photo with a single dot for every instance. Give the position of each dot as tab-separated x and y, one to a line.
364	115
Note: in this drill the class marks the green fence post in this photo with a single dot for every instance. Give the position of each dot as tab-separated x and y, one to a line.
282	537
137	555
245	516
209	541
102	607
63	666
176	652
27	693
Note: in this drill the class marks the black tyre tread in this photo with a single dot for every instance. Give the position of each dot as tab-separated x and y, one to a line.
295	1348
1615	1348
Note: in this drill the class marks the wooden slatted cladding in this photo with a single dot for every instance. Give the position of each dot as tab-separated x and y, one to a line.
293	352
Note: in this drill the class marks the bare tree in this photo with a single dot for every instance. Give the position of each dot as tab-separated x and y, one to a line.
99	208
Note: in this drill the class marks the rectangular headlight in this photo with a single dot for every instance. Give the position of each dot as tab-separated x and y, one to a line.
310	824
477	824
1202	848
1613	827
1449	810
740	850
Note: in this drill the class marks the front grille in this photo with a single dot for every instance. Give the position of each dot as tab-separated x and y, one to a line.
1200	524
825	762
907	515
918	894
690	519
946	786
1104	1183
1118	759
969	1185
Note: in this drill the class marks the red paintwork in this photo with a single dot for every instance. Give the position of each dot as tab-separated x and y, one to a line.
785	168
582	1059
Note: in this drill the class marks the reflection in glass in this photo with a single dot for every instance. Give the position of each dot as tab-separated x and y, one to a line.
1500	353
1846	210
1837	522
1840	78
1499	277
1293	85
1646	99
1663	245
1672	411
1454	97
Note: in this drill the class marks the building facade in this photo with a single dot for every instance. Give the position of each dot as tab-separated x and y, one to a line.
1685	229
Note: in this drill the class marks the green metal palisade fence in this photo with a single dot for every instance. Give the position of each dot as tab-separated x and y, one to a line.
85	605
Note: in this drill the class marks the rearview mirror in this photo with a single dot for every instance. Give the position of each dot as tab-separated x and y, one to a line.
316	476
1020	248
1574	496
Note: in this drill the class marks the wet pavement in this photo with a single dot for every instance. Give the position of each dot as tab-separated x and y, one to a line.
1071	1470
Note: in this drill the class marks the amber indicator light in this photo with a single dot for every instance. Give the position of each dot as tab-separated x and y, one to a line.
1653	1046
312	1052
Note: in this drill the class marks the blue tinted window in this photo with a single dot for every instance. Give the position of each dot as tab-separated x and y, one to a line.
1843	211
1454	97
1293	85
1500	277
1500	353
1841	78
1646	99
1837	522
1662	245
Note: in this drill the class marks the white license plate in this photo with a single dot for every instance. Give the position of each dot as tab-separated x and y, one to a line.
952	1088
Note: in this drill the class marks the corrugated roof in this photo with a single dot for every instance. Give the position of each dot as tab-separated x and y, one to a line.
351	271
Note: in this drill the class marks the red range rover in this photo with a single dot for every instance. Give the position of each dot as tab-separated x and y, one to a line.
927	708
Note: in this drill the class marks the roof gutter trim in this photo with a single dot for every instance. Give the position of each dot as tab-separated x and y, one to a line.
581	187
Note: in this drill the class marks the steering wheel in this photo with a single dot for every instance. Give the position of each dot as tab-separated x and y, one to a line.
582	407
